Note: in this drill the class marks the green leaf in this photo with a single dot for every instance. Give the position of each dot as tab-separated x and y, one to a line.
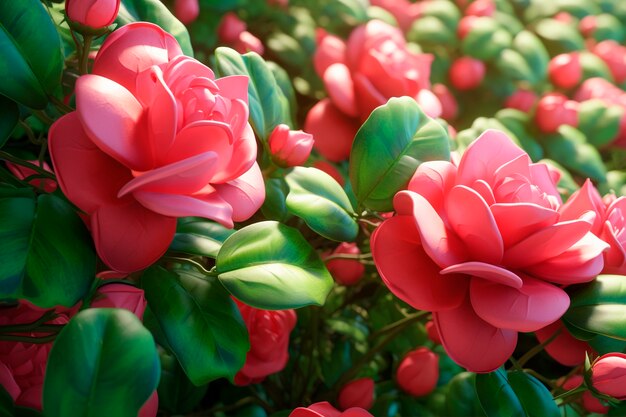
290	104
319	200
534	53
599	307
201	322
430	29
275	207
199	236
154	11
32	61
9	115
7	408
103	363
461	399
389	147
594	66
514	66
599	121
559	36
570	148
514	395
46	254
486	40
177	394
265	97
271	266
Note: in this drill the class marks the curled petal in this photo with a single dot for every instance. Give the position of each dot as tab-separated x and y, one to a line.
408	271
245	194
367	96
564	348
517	221
234	87
526	309
488	272
338	82
472	342
584	200
433	180
330	50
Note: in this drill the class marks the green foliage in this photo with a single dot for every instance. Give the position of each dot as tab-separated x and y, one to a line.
199	236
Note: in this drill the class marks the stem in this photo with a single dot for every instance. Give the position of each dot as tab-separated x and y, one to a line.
400	323
535	350
8	157
15	328
570	393
41	115
360	257
84	56
29	132
191	262
62	107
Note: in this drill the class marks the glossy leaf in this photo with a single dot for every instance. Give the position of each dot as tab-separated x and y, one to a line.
200	321
430	29
177	394
265	98
461	399
533	395
271	266
46	254
599	307
103	363
389	147
319	200
199	236
599	121
570	147
155	11
9	115
275	207
534	53
486	40
514	66
560	36
32	61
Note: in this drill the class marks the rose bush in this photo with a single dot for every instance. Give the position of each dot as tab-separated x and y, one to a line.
484	246
154	137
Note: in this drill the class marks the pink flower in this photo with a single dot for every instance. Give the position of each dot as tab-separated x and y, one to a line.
346	271
608	375
466	73
403	11
483	246
186	11
523	100
589	402
117	295
358	393
23	172
418	372
269	342
360	75
23	365
614	55
324	409
554	110
588	25
565	70
154	137
95	14
290	148
232	31
564	348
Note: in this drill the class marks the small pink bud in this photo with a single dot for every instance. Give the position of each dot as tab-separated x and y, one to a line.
118	295
565	70
418	372
481	8
467	73
248	42
588	25
554	110
449	105
608	375
186	11
433	333
230	28
614	55
564	17
465	26
358	393
522	100
95	14
290	148
346	271
590	403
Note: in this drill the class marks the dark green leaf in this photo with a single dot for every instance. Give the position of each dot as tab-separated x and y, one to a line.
275	207
429	29
201	322
199	236
534	53
177	394
7	408
570	147
319	200
154	11
32	61
594	66
9	115
389	147
486	40
461	399
535	398
271	266
512	64
103	363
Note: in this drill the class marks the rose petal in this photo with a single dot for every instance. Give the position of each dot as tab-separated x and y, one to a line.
543	177
433	180
366	95
330	50
245	194
234	87
88	177
129	237
564	348
584	200
440	243
408	271
488	272
471	219
332	130
338	83
162	118
8	382
430	103
517	221
472	342
531	307
615	257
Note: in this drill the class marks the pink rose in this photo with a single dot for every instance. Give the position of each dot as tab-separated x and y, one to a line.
418	372
358	393
346	271
117	295
23	172
608	375
484	247
151	407
290	148
186	11
23	365
565	70
588	25
154	137
269	342
360	75
324	409
95	14
554	110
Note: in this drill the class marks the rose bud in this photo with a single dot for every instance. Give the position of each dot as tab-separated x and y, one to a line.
186	11
346	271
467	73
432	332
565	70
482	8
290	148
247	42
563	17
608	375
590	403
418	372
324	409
522	100
232	31
95	14
614	55
588	25
358	393
117	295
554	110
